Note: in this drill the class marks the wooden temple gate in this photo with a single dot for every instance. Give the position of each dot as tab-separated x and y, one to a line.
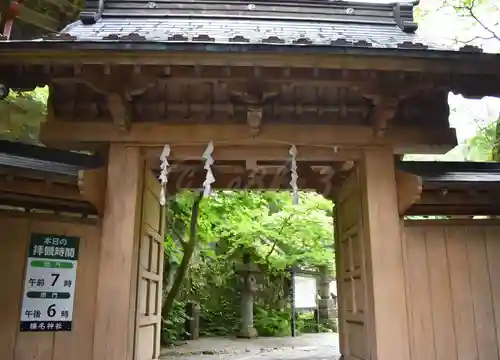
124	82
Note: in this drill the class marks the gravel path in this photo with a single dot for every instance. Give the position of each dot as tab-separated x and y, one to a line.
304	347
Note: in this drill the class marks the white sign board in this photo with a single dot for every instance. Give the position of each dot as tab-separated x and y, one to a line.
333	287
305	292
49	286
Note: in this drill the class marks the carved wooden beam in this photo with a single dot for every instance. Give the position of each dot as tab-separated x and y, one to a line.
383	112
118	87
409	189
403	140
92	187
120	110
254	119
386	96
251	94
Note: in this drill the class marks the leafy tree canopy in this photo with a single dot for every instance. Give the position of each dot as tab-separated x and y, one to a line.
21	114
266	224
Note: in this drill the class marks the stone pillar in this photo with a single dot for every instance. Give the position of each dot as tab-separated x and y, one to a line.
326	305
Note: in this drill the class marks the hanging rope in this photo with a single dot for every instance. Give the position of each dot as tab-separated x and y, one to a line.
164	170
294	176
209	178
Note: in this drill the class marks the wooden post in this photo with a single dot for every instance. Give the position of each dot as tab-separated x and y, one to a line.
117	278
388	332
293	320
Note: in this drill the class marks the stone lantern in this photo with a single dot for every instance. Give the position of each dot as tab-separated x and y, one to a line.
326	305
248	271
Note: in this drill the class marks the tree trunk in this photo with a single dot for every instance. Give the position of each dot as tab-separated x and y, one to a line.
189	248
495	152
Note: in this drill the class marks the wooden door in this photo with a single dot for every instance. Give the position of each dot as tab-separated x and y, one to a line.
351	272
150	272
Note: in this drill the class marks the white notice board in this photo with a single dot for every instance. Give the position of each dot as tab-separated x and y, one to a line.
305	292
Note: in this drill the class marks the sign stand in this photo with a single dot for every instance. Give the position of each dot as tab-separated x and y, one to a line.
294	310
49	286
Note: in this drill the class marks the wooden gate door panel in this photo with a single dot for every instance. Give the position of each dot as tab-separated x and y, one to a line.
150	272
351	271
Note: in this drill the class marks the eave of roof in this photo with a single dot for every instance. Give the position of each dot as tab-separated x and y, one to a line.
39	158
313	21
125	47
48	204
220	30
453	172
313	26
143	31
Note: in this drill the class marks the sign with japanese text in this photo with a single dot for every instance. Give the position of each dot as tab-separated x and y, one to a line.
49	286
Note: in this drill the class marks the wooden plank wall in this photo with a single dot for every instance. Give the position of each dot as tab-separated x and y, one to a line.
74	345
351	272
452	271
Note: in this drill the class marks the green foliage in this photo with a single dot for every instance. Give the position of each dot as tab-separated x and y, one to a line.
273	322
21	114
215	286
276	233
470	8
481	146
308	323
174	326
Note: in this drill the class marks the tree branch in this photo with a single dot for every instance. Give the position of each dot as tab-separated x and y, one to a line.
477	38
285	222
480	22
186	258
177	236
470	12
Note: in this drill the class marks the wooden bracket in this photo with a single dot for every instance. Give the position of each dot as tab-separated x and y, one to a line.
386	96
118	87
409	189
383	112
120	110
254	119
92	187
254	98
119	90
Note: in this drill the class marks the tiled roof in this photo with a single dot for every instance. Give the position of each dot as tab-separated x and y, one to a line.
289	22
248	31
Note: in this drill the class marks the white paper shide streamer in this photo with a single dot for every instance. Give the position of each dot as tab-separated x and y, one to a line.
164	170
209	178
293	181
